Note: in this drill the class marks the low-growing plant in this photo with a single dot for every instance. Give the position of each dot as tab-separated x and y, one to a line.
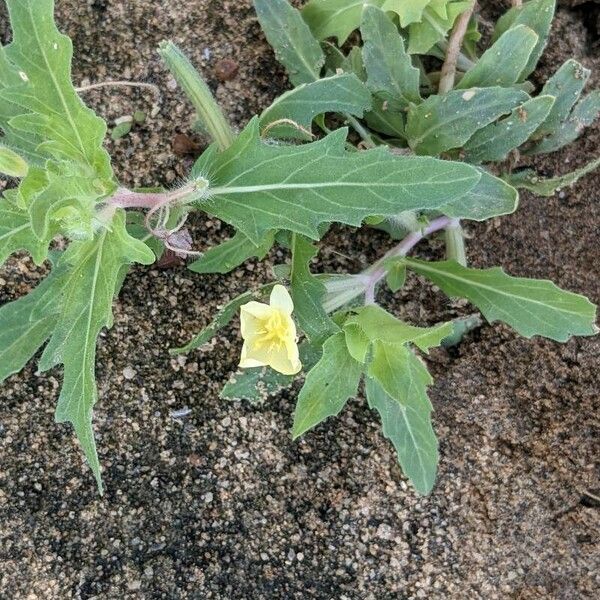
417	170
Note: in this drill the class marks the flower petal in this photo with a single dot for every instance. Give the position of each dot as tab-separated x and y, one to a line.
281	363
248	362
251	315
280	298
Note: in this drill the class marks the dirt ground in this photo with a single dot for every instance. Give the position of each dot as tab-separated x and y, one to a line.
222	504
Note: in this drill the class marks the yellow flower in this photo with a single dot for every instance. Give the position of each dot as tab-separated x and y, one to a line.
270	334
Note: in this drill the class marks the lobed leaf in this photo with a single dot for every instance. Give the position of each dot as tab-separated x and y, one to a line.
16	233
343	93
12	164
409	12
257	187
397	389
372	324
289	35
445	122
532	307
391	74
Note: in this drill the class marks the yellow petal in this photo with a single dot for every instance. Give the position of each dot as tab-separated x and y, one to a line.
247	362
282	364
280	298
251	315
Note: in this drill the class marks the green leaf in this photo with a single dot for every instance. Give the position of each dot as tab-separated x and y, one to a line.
12	164
396	277
258	384
529	180
50	106
45	120
295	47
16	233
535	14
335	18
494	142
409	12
257	187
566	86
308	293
373	324
532	307
224	317
391	74
328	386
231	254
343	93
583	115
85	309
384	120
27	323
445	122
503	63
435	24
491	197
397	389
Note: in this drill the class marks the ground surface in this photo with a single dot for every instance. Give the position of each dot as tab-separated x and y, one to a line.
222	504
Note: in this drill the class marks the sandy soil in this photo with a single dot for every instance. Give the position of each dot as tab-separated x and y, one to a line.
222	504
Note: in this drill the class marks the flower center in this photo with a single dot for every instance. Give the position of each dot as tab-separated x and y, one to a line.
274	330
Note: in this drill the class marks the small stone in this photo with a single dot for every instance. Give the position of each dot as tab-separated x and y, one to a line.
226	69
129	373
134	585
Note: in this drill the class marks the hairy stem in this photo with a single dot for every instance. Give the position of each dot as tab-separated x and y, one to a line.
198	92
374	274
364	134
455	243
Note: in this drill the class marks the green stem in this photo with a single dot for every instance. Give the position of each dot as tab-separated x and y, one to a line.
364	134
455	243
199	94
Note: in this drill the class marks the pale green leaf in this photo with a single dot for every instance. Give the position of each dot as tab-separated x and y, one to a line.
391	74
445	122
308	293
535	14
494	142
50	106
231	254
529	180
396	277
85	309
531	306
257	187
328	386
491	197
335	18
409	11
27	323
343	93
502	64
433	27
372	324
397	389
384	120
16	233
12	164
295	46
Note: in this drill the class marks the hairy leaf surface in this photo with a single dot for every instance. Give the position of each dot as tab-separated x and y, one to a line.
257	187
